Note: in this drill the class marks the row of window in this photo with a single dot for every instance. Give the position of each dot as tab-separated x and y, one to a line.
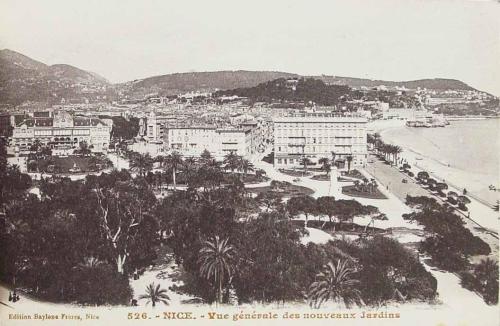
278	125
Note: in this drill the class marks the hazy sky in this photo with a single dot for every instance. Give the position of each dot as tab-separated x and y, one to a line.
383	39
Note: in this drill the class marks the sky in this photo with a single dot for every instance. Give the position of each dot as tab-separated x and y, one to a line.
385	39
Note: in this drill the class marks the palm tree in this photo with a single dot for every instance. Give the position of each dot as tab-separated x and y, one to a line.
325	164
334	283
349	160
155	294
189	168
174	161
141	163
216	263
486	269
305	161
246	166
232	161
396	150
205	156
89	263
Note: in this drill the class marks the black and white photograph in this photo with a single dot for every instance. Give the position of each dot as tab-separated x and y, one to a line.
325	162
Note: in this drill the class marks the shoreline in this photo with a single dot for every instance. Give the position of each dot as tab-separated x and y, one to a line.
440	170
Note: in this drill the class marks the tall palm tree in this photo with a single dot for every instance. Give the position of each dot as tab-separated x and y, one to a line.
155	294
216	263
349	160
189	168
174	161
141	163
334	283
396	150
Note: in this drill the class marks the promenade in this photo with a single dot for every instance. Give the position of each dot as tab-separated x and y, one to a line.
390	178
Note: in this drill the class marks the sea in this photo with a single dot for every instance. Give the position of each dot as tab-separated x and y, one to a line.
471	148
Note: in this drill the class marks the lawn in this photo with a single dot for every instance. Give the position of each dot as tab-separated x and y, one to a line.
321	177
354	174
286	190
352	191
58	164
324	177
295	173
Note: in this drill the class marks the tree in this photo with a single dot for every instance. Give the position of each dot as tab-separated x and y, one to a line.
123	217
205	156
396	150
246	166
141	163
269	199
327	206
83	149
232	161
325	164
335	283
486	273
189	167
349	160
301	205
155	294
304	161
216	263
174	161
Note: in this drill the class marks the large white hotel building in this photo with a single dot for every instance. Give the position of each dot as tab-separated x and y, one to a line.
62	131
318	135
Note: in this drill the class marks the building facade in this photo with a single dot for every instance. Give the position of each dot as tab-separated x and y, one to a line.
62	131
316	136
193	140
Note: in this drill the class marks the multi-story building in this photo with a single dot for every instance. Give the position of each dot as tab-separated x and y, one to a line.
193	140
314	136
62	131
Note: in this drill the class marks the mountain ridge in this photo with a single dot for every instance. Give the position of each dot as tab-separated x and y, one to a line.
22	78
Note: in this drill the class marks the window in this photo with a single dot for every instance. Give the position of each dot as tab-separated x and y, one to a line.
279	161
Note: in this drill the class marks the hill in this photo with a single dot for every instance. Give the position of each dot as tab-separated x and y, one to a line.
200	81
301	90
226	80
24	79
435	83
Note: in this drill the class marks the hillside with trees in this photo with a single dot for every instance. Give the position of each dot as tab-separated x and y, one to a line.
429	83
305	90
24	79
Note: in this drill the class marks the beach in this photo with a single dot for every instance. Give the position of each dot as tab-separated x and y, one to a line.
463	154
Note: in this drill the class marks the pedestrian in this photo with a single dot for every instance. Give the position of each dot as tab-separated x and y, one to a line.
10	296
